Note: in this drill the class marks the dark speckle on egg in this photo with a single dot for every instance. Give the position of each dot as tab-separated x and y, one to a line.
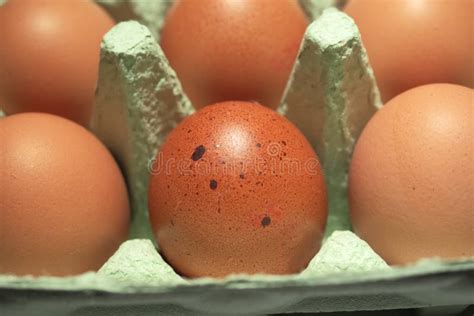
213	184
198	152
266	221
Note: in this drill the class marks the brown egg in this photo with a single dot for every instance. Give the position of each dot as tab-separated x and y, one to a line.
64	205
236	188
411	184
416	42
233	50
49	56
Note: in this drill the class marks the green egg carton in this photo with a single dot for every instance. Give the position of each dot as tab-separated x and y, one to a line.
330	97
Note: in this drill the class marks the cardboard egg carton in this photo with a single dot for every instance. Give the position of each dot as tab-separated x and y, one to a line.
330	96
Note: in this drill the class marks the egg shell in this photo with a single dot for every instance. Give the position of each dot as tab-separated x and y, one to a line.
49	56
236	188
411	186
233	50
64	204
416	42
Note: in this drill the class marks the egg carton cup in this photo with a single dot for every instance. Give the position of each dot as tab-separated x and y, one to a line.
330	96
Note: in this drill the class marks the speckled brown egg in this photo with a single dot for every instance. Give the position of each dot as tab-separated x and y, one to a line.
63	201
236	188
